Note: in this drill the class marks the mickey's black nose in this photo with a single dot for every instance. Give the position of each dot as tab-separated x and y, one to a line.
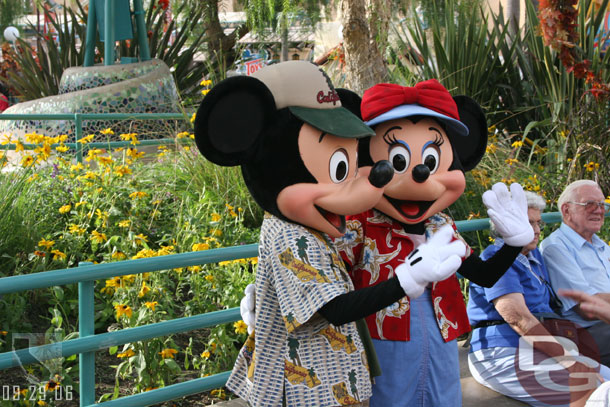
420	173
381	173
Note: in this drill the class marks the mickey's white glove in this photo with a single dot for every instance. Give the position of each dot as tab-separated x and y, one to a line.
508	212
246	307
435	260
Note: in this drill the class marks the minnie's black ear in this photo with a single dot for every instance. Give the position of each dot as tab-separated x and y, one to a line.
231	119
471	148
350	100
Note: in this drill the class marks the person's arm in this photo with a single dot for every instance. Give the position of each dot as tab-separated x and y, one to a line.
514	311
358	304
593	306
487	272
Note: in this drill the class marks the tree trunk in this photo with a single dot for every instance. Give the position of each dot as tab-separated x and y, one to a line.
221	47
364	62
284	37
513	12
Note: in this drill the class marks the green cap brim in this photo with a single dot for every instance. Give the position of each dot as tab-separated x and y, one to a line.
338	121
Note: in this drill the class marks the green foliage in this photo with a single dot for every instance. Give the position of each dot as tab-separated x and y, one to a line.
11	11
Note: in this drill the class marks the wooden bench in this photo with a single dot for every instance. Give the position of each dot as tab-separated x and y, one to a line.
473	394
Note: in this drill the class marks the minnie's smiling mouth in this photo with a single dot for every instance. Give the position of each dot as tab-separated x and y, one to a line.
338	221
412	210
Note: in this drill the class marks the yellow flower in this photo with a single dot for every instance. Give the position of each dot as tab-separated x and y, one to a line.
127	354
240	327
205	354
124	223
39	253
86	139
168	353
122	170
65	208
18	146
41	403
194	269
98	237
151	304
27	160
253	260
216	217
134	153
119	255
144	290
76	167
590	166
3	333
216	232
57	255
138	194
205	92
62	148
219	393
51	385
193	117
205	82
165	250
107	132
115	282
517	144
122	309
140	239
34	138
183	134
491	149
46	243
209	277
7	139
200	246
511	161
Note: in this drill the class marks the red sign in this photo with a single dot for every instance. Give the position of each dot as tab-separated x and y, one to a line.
253	66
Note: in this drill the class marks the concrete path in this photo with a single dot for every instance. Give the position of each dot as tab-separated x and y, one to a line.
473	394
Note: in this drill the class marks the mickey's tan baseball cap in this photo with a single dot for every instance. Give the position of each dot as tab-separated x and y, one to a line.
308	93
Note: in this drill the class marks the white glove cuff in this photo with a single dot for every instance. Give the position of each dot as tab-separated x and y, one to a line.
520	240
408	284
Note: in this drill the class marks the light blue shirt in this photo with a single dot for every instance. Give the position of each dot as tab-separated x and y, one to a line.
574	263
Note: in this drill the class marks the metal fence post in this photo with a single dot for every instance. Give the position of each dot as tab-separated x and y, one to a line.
78	131
86	327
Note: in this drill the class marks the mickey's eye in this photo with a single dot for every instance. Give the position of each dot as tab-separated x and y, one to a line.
400	157
430	158
339	166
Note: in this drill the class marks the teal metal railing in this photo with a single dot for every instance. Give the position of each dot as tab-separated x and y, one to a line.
88	342
78	119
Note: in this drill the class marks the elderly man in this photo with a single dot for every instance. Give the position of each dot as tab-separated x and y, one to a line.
576	258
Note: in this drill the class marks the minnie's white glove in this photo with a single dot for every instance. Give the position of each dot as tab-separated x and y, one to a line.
435	260
246	307
508	212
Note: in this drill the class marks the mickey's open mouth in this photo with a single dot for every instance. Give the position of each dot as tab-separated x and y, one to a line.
337	221
412	210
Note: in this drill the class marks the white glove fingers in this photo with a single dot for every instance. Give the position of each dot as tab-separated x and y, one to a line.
518	196
250	289
501	191
456	247
449	267
442	237
490	200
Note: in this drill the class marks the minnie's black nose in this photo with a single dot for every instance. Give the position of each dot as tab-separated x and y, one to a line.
381	173
420	173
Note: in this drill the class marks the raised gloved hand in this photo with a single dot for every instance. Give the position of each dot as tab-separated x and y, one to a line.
246	307
435	260
508	212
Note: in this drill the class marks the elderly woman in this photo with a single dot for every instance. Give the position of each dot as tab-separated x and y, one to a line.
510	310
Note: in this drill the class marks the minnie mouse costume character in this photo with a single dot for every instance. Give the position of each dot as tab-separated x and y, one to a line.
297	148
431	139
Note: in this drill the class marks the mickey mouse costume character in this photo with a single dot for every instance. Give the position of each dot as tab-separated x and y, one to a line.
431	140
297	148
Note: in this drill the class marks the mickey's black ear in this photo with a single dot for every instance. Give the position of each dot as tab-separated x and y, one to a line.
471	148
350	100
231	119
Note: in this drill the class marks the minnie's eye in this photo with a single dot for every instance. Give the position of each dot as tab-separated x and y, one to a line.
400	157
430	158
339	166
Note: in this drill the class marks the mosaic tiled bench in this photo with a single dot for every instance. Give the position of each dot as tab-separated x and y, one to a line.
143	87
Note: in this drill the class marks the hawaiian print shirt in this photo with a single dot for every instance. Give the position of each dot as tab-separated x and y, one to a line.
294	352
373	246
